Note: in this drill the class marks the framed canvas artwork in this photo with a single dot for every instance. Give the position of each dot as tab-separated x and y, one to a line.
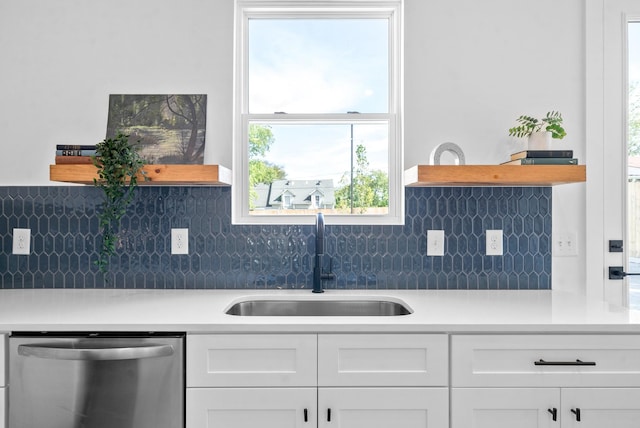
169	128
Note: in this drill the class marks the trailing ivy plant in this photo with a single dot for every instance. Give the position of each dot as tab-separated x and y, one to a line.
119	167
552	123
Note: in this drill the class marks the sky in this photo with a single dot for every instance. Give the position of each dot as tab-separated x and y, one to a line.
320	66
634	52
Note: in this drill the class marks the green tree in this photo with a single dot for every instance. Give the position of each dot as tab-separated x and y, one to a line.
261	171
370	188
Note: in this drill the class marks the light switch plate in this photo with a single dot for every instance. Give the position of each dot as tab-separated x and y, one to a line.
21	241
565	244
179	241
435	242
494	243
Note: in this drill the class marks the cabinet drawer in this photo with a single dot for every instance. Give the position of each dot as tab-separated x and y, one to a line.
545	360
383	360
251	360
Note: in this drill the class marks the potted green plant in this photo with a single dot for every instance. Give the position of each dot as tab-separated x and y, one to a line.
539	131
119	167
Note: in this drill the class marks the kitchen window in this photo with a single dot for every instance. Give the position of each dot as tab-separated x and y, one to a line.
317	112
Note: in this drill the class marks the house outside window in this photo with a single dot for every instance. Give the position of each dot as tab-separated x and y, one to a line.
318	99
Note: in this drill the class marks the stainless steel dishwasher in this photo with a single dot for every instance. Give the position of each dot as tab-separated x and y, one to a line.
97	380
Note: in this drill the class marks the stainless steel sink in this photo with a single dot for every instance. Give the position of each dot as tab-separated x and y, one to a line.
315	308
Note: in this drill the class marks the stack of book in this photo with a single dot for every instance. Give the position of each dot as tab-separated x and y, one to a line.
542	157
74	154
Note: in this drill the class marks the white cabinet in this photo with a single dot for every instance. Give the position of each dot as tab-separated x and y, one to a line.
346	381
251	407
252	360
3	380
383	407
600	407
545	380
383	359
504	407
545	407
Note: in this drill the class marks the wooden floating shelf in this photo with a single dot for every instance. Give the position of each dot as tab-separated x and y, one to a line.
494	175
212	175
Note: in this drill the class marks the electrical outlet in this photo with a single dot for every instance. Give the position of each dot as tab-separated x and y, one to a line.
21	241
494	243
179	241
565	244
435	242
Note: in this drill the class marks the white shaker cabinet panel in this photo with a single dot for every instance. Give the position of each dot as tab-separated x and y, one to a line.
251	408
251	360
600	407
3	360
3	380
545	360
383	407
3	407
383	360
505	407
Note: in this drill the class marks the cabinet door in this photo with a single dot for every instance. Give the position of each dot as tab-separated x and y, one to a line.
383	407
383	360
3	359
251	360
601	407
3	407
505	407
251	408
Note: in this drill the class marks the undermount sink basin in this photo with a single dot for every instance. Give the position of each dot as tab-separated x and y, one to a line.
315	308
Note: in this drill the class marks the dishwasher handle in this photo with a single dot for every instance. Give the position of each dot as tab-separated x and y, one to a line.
95	354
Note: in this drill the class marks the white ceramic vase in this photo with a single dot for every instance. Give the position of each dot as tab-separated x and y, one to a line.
540	140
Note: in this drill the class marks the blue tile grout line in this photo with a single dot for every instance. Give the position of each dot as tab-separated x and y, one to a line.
65	238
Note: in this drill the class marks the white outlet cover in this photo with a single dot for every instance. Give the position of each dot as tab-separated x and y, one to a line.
494	243
179	241
21	241
435	242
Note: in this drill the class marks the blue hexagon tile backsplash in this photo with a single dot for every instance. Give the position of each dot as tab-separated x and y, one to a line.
65	238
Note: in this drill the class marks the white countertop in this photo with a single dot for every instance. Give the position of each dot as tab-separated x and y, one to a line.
204	311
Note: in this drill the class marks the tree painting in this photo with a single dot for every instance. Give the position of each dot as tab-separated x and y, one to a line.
170	128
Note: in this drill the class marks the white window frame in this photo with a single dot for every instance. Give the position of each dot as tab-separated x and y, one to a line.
247	9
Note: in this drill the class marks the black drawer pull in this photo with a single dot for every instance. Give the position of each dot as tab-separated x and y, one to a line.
542	362
554	413
576	412
328	415
306	415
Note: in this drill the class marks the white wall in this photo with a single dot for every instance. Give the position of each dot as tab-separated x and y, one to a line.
471	68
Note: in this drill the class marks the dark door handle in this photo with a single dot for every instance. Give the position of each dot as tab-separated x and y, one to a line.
306	415
576	412
554	413
542	362
617	272
328	415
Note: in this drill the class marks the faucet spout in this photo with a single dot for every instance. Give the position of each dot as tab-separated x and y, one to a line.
318	275
320	234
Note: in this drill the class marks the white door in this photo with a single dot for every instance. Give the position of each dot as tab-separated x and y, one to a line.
608	23
598	408
251	408
505	407
383	407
